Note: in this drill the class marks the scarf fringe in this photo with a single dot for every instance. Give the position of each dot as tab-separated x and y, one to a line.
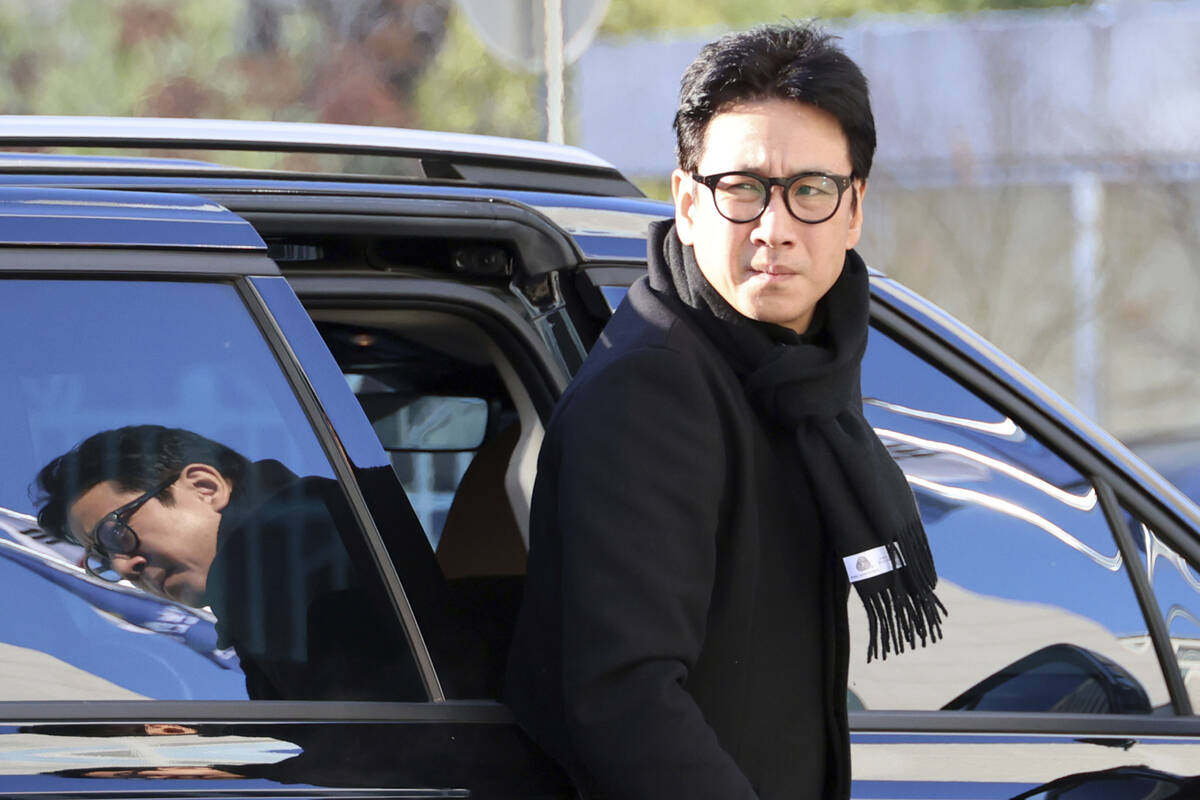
902	606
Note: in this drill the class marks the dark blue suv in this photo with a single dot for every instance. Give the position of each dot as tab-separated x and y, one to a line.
396	312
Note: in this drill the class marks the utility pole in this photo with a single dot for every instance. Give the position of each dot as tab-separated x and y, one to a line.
552	15
539	36
1087	204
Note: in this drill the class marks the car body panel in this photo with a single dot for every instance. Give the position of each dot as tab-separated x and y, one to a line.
987	765
73	218
307	759
603	228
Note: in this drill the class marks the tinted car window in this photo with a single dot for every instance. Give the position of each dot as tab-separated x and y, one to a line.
431	409
1025	558
464	595
83	357
1176	584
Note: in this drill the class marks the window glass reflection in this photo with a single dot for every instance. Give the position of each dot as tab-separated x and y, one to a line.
1024	554
243	576
1177	588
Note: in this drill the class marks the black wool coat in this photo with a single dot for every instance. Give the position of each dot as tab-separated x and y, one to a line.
683	632
289	599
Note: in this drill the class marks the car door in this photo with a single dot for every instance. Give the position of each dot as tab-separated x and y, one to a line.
111	689
1067	649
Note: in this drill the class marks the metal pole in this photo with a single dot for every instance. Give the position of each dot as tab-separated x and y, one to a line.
553	16
1087	201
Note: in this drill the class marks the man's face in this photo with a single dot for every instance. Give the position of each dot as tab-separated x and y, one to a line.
775	268
176	543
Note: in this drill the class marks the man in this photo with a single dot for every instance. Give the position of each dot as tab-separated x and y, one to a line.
708	482
190	520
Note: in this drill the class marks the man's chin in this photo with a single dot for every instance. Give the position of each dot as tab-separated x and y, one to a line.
784	314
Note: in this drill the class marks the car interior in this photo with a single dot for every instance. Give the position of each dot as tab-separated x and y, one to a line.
462	434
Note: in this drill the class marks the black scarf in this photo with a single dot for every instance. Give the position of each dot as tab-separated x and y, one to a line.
810	384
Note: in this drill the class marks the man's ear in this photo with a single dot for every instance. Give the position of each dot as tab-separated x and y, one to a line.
208	483
683	192
854	232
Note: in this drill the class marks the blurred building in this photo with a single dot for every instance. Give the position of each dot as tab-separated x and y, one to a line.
1038	175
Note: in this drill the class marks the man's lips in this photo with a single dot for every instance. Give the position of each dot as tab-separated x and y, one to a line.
773	271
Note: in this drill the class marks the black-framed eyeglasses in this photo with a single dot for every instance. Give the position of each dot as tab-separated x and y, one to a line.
113	536
810	197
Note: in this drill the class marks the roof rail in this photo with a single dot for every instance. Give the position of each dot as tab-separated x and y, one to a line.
487	160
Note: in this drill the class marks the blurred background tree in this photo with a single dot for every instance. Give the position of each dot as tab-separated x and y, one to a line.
351	61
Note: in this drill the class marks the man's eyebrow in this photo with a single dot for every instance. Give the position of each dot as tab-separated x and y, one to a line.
790	173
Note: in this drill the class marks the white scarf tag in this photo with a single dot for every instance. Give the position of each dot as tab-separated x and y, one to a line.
870	563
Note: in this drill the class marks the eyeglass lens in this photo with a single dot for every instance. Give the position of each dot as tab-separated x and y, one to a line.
101	567
741	198
113	537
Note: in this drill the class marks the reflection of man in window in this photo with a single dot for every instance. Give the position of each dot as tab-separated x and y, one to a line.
190	520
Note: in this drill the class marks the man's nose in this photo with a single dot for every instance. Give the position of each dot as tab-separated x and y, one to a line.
776	227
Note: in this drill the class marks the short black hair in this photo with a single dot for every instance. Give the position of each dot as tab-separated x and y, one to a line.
136	457
794	61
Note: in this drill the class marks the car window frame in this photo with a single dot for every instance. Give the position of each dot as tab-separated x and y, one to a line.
540	372
334	426
238	270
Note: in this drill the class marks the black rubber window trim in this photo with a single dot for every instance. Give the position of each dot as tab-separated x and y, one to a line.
309	401
513	333
999	722
1156	623
542	246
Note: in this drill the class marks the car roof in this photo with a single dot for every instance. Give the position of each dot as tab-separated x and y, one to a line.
604	215
38	216
423	155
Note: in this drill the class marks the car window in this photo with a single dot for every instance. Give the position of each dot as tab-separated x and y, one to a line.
1042	613
429	471
432	408
613	295
460	432
1176	584
285	605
